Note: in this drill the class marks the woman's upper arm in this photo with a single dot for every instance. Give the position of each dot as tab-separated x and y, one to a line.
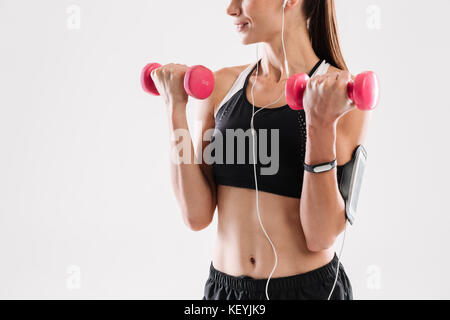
205	123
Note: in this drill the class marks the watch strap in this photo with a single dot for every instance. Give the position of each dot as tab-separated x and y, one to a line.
321	167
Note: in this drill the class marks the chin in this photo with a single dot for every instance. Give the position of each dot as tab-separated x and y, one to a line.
245	41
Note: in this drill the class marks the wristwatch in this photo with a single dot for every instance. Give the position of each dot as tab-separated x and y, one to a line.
322	167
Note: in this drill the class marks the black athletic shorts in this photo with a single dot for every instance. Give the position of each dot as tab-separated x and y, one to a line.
312	285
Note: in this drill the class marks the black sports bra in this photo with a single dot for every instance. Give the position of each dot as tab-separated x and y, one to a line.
232	132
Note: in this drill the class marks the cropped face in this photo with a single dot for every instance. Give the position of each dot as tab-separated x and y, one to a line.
258	20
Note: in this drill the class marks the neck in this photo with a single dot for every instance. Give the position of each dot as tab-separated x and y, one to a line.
299	53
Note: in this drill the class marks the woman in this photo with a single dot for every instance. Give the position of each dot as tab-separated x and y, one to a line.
296	212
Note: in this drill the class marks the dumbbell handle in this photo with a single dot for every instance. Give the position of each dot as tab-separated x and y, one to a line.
198	81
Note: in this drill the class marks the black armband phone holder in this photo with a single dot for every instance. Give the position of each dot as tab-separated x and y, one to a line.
350	181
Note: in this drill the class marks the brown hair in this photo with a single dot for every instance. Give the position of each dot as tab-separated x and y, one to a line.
323	31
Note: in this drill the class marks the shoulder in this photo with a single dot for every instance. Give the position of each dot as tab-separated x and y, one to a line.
224	79
233	70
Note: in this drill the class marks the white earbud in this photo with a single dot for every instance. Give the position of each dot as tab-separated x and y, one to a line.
285	3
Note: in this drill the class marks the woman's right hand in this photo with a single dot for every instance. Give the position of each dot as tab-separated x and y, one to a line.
169	80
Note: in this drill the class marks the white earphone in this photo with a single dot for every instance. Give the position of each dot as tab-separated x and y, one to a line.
254	164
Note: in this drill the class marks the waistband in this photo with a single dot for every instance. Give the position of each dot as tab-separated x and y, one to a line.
248	283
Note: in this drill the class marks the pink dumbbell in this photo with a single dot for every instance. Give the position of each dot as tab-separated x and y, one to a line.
364	91
198	81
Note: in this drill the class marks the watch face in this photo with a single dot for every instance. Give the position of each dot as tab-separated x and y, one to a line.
323	168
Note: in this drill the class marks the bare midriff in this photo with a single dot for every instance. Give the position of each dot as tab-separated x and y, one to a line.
241	247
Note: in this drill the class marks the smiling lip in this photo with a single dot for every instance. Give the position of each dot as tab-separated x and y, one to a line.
240	26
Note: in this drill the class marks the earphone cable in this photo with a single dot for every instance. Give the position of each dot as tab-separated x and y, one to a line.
254	168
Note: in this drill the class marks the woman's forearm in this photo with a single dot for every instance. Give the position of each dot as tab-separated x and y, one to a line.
193	191
322	208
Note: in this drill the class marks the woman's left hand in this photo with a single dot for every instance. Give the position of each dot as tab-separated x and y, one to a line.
326	99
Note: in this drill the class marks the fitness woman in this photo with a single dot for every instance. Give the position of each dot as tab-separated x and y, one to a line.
302	212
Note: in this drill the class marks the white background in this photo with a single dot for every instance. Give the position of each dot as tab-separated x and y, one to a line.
86	205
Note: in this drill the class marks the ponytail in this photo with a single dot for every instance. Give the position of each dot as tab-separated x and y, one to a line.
321	15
